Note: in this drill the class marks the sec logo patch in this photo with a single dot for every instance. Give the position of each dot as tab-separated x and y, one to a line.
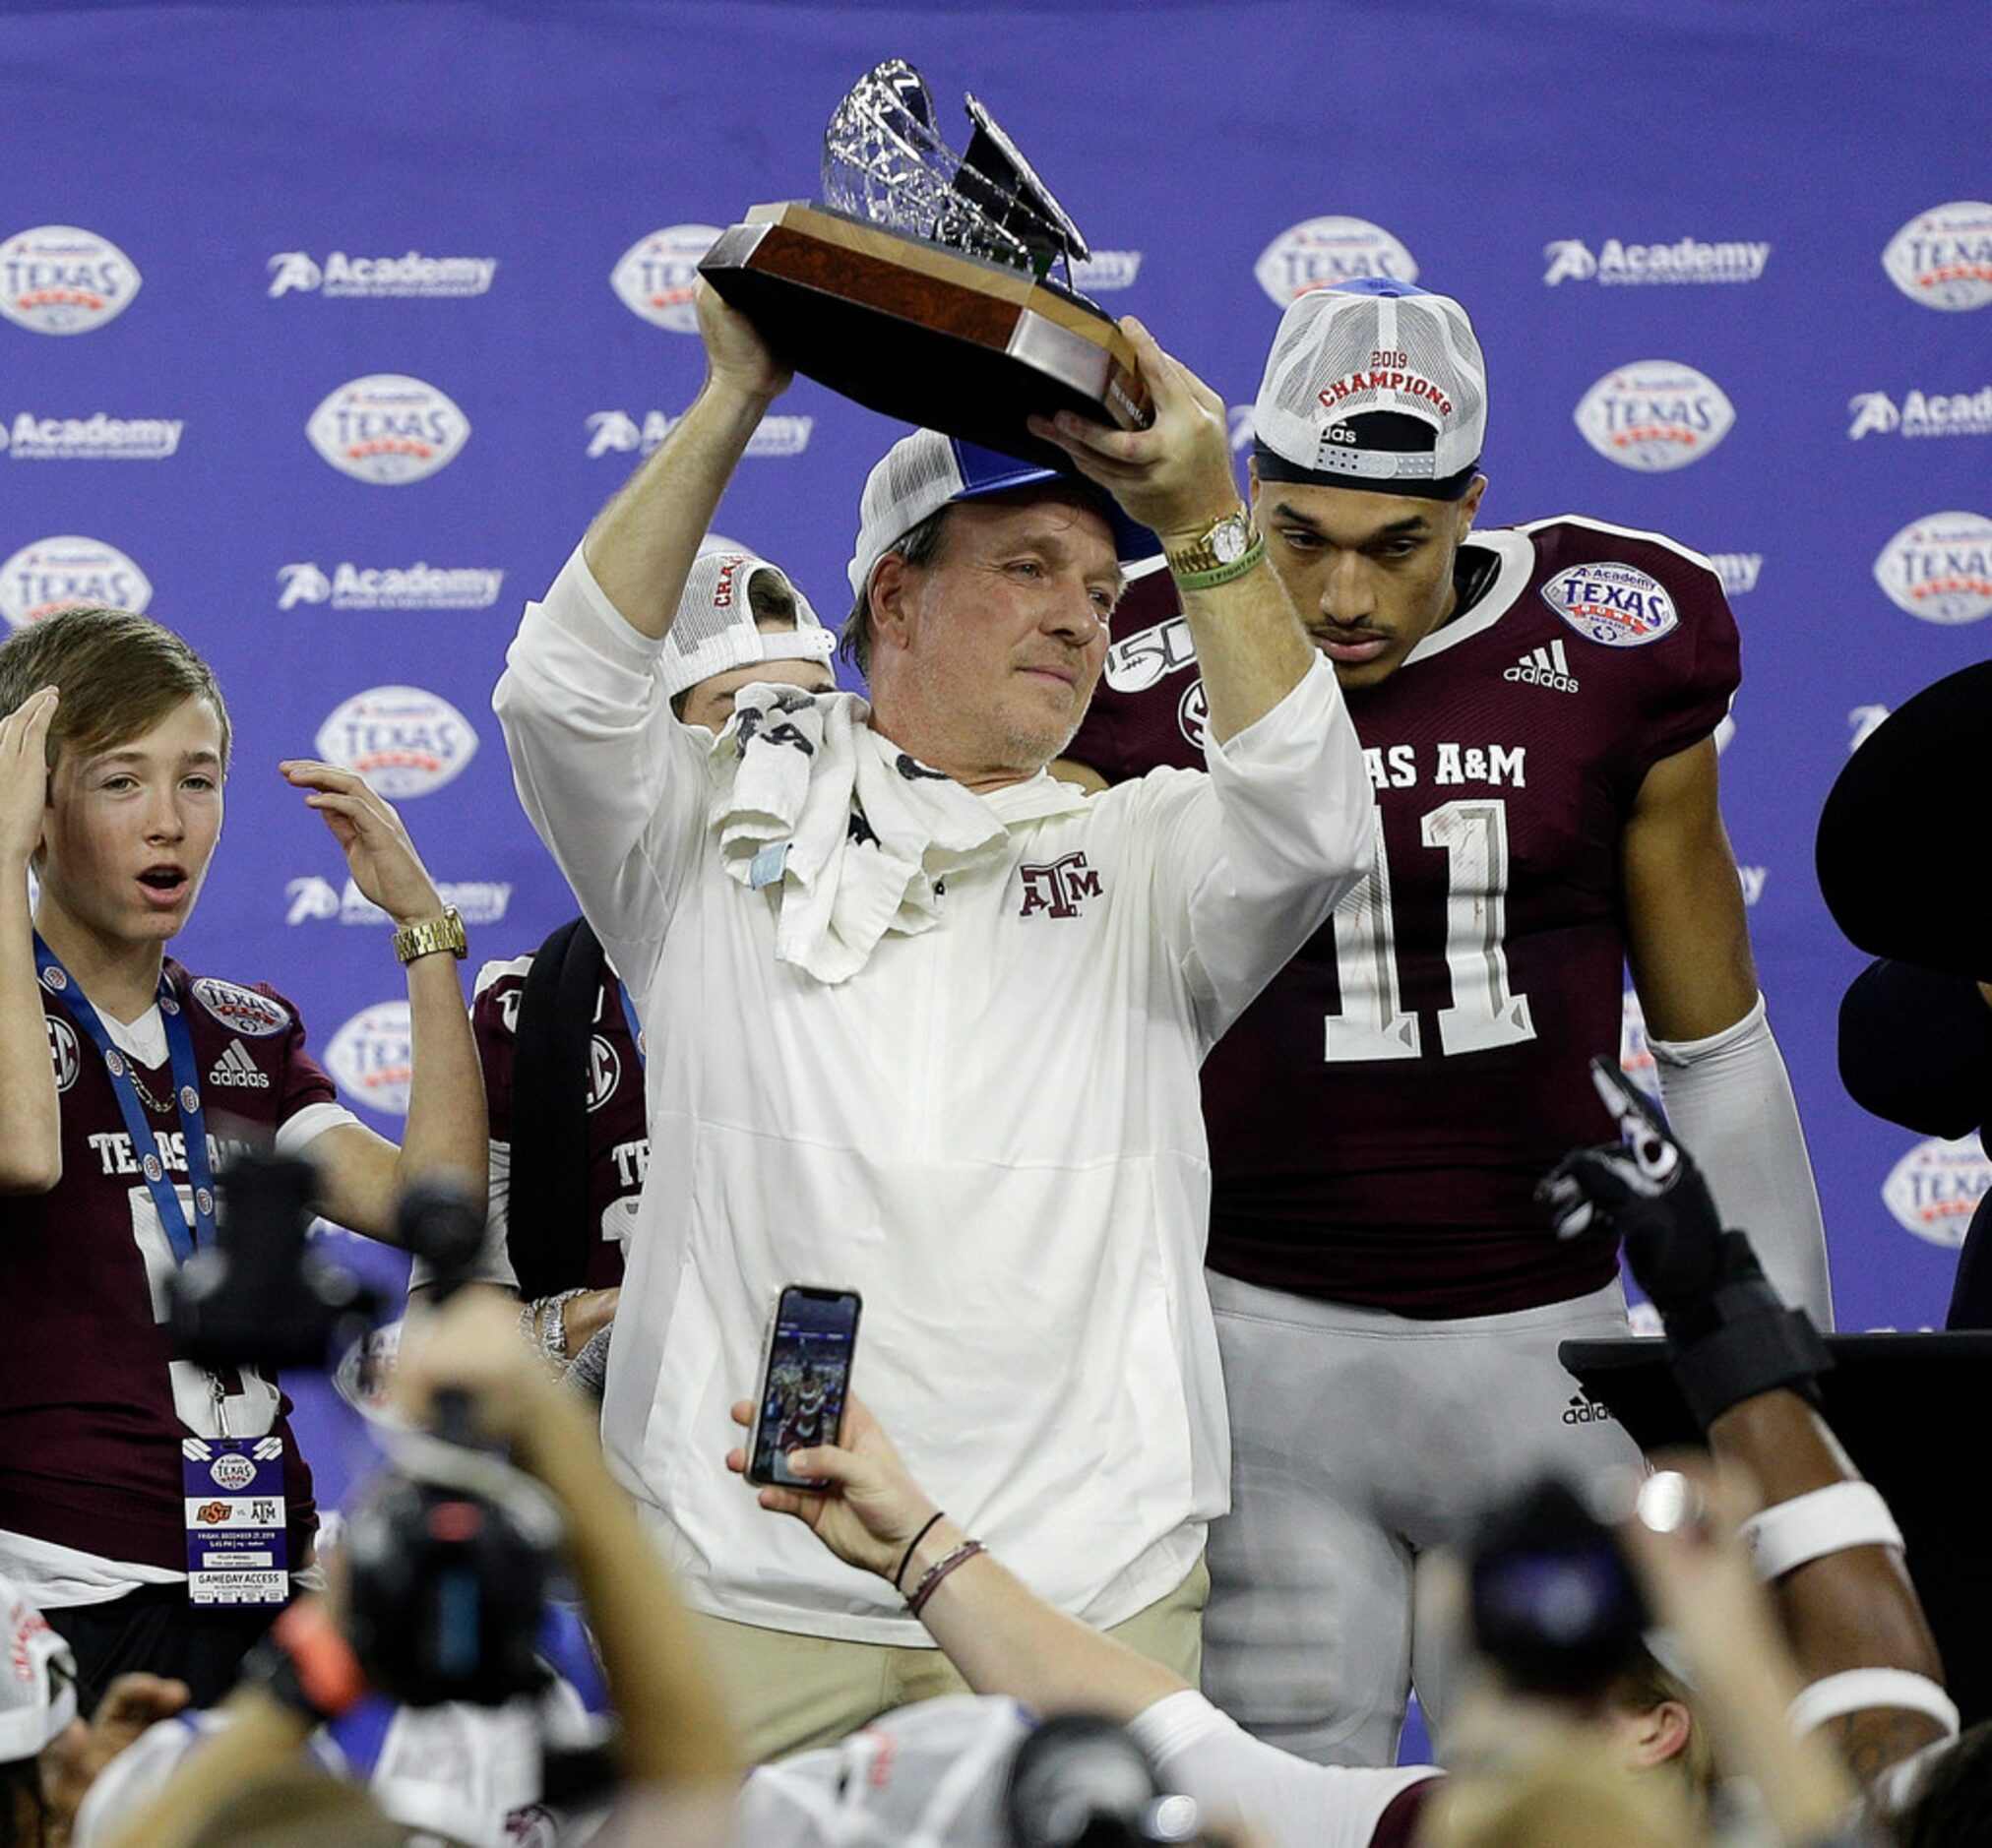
1612	603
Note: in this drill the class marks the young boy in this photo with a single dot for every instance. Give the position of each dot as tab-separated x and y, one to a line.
124	1081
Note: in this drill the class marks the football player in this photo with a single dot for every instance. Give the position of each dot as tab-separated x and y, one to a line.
124	1081
1538	707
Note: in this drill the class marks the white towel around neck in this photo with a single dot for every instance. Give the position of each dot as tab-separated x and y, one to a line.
857	837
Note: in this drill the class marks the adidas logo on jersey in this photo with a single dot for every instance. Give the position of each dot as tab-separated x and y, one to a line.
1544	667
1582	1410
236	1067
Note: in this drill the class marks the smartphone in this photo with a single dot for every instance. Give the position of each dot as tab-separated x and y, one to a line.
804	1381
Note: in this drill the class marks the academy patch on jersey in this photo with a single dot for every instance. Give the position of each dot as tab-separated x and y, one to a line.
241	1009
1616	604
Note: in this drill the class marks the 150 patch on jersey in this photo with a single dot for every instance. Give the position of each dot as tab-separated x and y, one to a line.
241	1008
1612	603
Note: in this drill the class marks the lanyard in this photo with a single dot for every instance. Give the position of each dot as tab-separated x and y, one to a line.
193	1118
630	1015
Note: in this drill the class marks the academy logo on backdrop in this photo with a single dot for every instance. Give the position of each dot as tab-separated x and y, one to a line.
315	901
1655	415
1616	604
1106	271
293	271
1921	413
617	433
1940	568
1323	252
388	429
1936	1188
656	276
407	587
58	574
403	740
1738	570
58	278
97	438
1943	257
1686	260
372	1058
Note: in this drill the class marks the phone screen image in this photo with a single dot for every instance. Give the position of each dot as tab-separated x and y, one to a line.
808	1374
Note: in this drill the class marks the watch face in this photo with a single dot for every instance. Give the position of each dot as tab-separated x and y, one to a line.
1228	540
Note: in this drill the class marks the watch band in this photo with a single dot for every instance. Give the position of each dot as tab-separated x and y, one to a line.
433	934
1221	574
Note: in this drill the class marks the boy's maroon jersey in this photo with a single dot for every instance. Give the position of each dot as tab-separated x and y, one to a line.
94	1401
1380	1116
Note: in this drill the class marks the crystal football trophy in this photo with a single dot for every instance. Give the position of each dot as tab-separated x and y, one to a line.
921	286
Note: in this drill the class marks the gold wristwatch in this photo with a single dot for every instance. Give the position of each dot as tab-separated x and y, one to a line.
1228	548
433	934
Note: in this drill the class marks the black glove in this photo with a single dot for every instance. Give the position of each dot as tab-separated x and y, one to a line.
1730	1334
1645	1190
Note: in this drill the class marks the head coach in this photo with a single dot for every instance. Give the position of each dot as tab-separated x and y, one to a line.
925	1022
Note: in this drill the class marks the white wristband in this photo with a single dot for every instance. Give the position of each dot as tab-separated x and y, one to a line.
1809	1526
1855	1690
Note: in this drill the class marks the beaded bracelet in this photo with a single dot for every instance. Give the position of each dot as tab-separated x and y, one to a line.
937	1571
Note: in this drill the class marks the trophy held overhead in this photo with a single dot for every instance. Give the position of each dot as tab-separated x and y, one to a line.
921	286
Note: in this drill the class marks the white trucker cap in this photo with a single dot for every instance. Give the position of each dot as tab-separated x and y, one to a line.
926	471
37	1691
715	629
1373	385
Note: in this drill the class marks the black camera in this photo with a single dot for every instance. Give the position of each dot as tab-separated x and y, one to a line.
1554	1603
448	1559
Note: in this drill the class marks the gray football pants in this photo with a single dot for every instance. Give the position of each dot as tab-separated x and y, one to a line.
1359	1441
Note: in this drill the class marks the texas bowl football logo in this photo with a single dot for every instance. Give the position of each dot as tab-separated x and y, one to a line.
1936	1188
58	278
388	429
61	573
241	1009
1323	252
654	277
233	1471
371	1058
1655	415
1940	568
1943	257
1616	604
404	741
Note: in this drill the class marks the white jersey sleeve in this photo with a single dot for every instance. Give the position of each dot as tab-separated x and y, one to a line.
616	786
1207	1755
1251	858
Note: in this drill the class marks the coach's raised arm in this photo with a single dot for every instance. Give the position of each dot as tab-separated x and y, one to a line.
925	1022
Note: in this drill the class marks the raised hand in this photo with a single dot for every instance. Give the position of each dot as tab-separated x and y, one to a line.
872	1508
379	854
1647	1190
1175	475
734	348
23	777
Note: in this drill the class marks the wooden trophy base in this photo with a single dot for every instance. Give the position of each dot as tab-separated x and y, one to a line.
924	334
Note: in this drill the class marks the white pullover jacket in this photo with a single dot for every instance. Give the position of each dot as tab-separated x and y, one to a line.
991	1130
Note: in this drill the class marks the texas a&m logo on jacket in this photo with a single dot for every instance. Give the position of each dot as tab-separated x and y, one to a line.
1060	889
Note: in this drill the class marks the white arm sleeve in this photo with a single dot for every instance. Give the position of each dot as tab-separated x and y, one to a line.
1207	1755
1257	854
616	786
1729	1099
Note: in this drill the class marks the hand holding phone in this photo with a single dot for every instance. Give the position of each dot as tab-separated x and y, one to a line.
804	1381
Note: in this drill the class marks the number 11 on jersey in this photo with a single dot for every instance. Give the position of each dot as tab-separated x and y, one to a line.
1372	1022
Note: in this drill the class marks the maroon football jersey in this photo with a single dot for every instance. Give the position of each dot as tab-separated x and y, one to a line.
93	1402
1379	1118
619	1139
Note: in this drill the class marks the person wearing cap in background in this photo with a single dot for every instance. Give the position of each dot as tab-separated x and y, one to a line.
1537	707
925	1022
555	1029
